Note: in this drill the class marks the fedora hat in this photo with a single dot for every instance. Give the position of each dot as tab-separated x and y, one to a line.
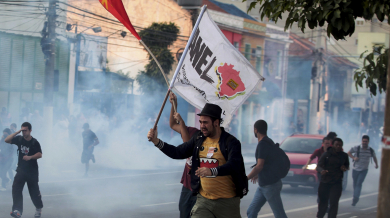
211	110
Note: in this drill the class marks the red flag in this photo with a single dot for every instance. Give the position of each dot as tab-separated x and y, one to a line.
116	8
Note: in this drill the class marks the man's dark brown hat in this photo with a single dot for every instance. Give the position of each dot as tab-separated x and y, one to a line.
211	110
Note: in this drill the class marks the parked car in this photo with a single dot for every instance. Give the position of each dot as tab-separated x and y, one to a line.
299	148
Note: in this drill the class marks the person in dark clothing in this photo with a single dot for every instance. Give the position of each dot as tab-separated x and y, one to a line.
217	166
29	152
326	143
332	166
187	200
6	159
90	140
264	172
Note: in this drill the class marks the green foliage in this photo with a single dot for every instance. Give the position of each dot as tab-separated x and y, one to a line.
339	15
157	37
374	71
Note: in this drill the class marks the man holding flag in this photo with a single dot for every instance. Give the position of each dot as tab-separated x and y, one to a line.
211	70
217	166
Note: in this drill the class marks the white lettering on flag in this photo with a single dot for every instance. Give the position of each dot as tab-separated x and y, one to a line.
214	71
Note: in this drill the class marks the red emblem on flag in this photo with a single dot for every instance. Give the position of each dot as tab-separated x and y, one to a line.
229	84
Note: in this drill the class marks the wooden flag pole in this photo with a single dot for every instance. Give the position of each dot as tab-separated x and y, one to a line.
178	68
165	77
161	109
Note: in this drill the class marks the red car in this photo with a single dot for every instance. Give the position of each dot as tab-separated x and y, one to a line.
298	148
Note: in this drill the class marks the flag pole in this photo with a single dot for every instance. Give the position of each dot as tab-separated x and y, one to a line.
187	46
155	59
162	72
178	66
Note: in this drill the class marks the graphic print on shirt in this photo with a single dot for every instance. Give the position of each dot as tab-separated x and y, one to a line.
24	149
209	162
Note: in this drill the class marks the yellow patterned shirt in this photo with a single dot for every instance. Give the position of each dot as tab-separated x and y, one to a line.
215	187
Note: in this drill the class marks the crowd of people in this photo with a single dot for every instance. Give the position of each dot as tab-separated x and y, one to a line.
212	183
214	177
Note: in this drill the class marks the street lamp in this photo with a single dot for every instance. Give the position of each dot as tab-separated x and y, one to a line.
123	33
77	42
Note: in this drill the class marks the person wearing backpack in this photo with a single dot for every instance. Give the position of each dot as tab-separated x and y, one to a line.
218	174
361	159
272	165
29	151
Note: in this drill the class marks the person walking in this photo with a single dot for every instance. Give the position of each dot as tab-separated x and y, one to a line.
361	156
27	172
218	173
270	185
187	199
331	165
90	140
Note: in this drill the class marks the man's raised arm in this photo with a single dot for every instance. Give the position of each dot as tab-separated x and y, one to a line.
10	137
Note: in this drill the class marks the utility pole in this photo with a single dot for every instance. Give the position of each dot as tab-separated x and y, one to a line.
49	50
78	47
384	181
50	60
316	69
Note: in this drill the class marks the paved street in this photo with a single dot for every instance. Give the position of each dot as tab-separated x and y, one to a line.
155	193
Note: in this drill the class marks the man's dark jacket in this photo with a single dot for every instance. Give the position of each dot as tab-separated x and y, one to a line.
234	165
332	162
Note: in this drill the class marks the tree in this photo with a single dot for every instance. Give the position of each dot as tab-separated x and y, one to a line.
373	73
157	37
339	15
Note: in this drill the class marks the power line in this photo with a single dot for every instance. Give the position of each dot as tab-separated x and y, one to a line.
128	62
131	66
173	9
24	23
108	19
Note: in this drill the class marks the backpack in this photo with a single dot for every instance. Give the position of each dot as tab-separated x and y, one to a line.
358	152
283	163
242	180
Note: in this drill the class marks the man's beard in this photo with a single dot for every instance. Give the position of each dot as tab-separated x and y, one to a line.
210	133
255	135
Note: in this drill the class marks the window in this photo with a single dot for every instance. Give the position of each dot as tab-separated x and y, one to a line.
359	21
258	58
300	145
248	51
236	45
279	63
253	53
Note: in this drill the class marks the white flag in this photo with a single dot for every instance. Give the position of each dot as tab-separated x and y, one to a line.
214	71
